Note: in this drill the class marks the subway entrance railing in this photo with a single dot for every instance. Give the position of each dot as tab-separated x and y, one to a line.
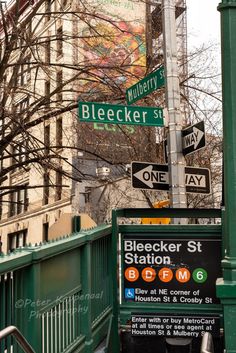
58	294
139	287
164	282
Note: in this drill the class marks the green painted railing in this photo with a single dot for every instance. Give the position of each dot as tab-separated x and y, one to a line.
58	294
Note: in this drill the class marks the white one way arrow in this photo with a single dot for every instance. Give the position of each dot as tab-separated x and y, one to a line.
194	138
150	177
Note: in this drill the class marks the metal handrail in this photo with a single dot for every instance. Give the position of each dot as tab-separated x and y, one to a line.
12	330
207	343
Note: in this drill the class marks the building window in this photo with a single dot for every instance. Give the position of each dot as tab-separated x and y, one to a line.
20	153
63	4
19	201
59	132
47	94
0	208
23	76
58	193
45	188
23	105
59	85
16	240
87	194
59	36
22	109
29	28
3	86
48	8
45	231
47	138
1	162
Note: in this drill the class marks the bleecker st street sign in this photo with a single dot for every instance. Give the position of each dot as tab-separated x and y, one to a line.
120	114
156	177
147	85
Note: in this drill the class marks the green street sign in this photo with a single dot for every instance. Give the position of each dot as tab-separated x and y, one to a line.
120	114
147	85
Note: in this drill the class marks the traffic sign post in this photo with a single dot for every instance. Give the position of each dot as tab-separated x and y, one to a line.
120	114
146	86
176	159
151	176
193	138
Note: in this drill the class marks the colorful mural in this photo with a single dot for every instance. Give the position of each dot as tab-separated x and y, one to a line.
114	53
114	45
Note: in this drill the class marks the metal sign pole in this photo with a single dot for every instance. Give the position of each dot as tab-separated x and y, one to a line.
175	156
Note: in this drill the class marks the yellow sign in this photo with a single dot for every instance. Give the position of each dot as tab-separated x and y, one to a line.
158	204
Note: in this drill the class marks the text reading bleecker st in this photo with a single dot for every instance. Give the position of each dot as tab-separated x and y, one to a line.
120	114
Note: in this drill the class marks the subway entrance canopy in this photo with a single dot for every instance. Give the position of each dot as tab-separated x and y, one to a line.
168	273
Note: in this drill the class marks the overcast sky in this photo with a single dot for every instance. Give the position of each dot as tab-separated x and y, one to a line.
203	21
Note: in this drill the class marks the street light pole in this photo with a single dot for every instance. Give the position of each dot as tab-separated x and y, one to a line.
176	160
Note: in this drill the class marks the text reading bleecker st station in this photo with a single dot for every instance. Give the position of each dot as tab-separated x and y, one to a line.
133	248
120	114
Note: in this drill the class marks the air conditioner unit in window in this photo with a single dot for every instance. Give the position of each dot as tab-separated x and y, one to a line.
103	172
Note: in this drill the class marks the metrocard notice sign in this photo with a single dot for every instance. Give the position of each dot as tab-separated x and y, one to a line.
171	271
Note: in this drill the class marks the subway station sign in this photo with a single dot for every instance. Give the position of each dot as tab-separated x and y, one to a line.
171	271
120	114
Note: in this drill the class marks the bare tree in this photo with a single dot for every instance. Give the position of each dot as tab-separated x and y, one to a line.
204	101
45	71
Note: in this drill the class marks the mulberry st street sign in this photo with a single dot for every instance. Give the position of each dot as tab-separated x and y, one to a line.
150	176
146	86
120	114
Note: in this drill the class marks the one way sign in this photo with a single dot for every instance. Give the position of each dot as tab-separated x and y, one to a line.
148	176
193	138
197	180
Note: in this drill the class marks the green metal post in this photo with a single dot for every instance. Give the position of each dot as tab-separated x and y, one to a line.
226	287
115	339
86	319
27	313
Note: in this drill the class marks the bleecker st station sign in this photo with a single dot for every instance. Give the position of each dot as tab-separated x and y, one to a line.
171	271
